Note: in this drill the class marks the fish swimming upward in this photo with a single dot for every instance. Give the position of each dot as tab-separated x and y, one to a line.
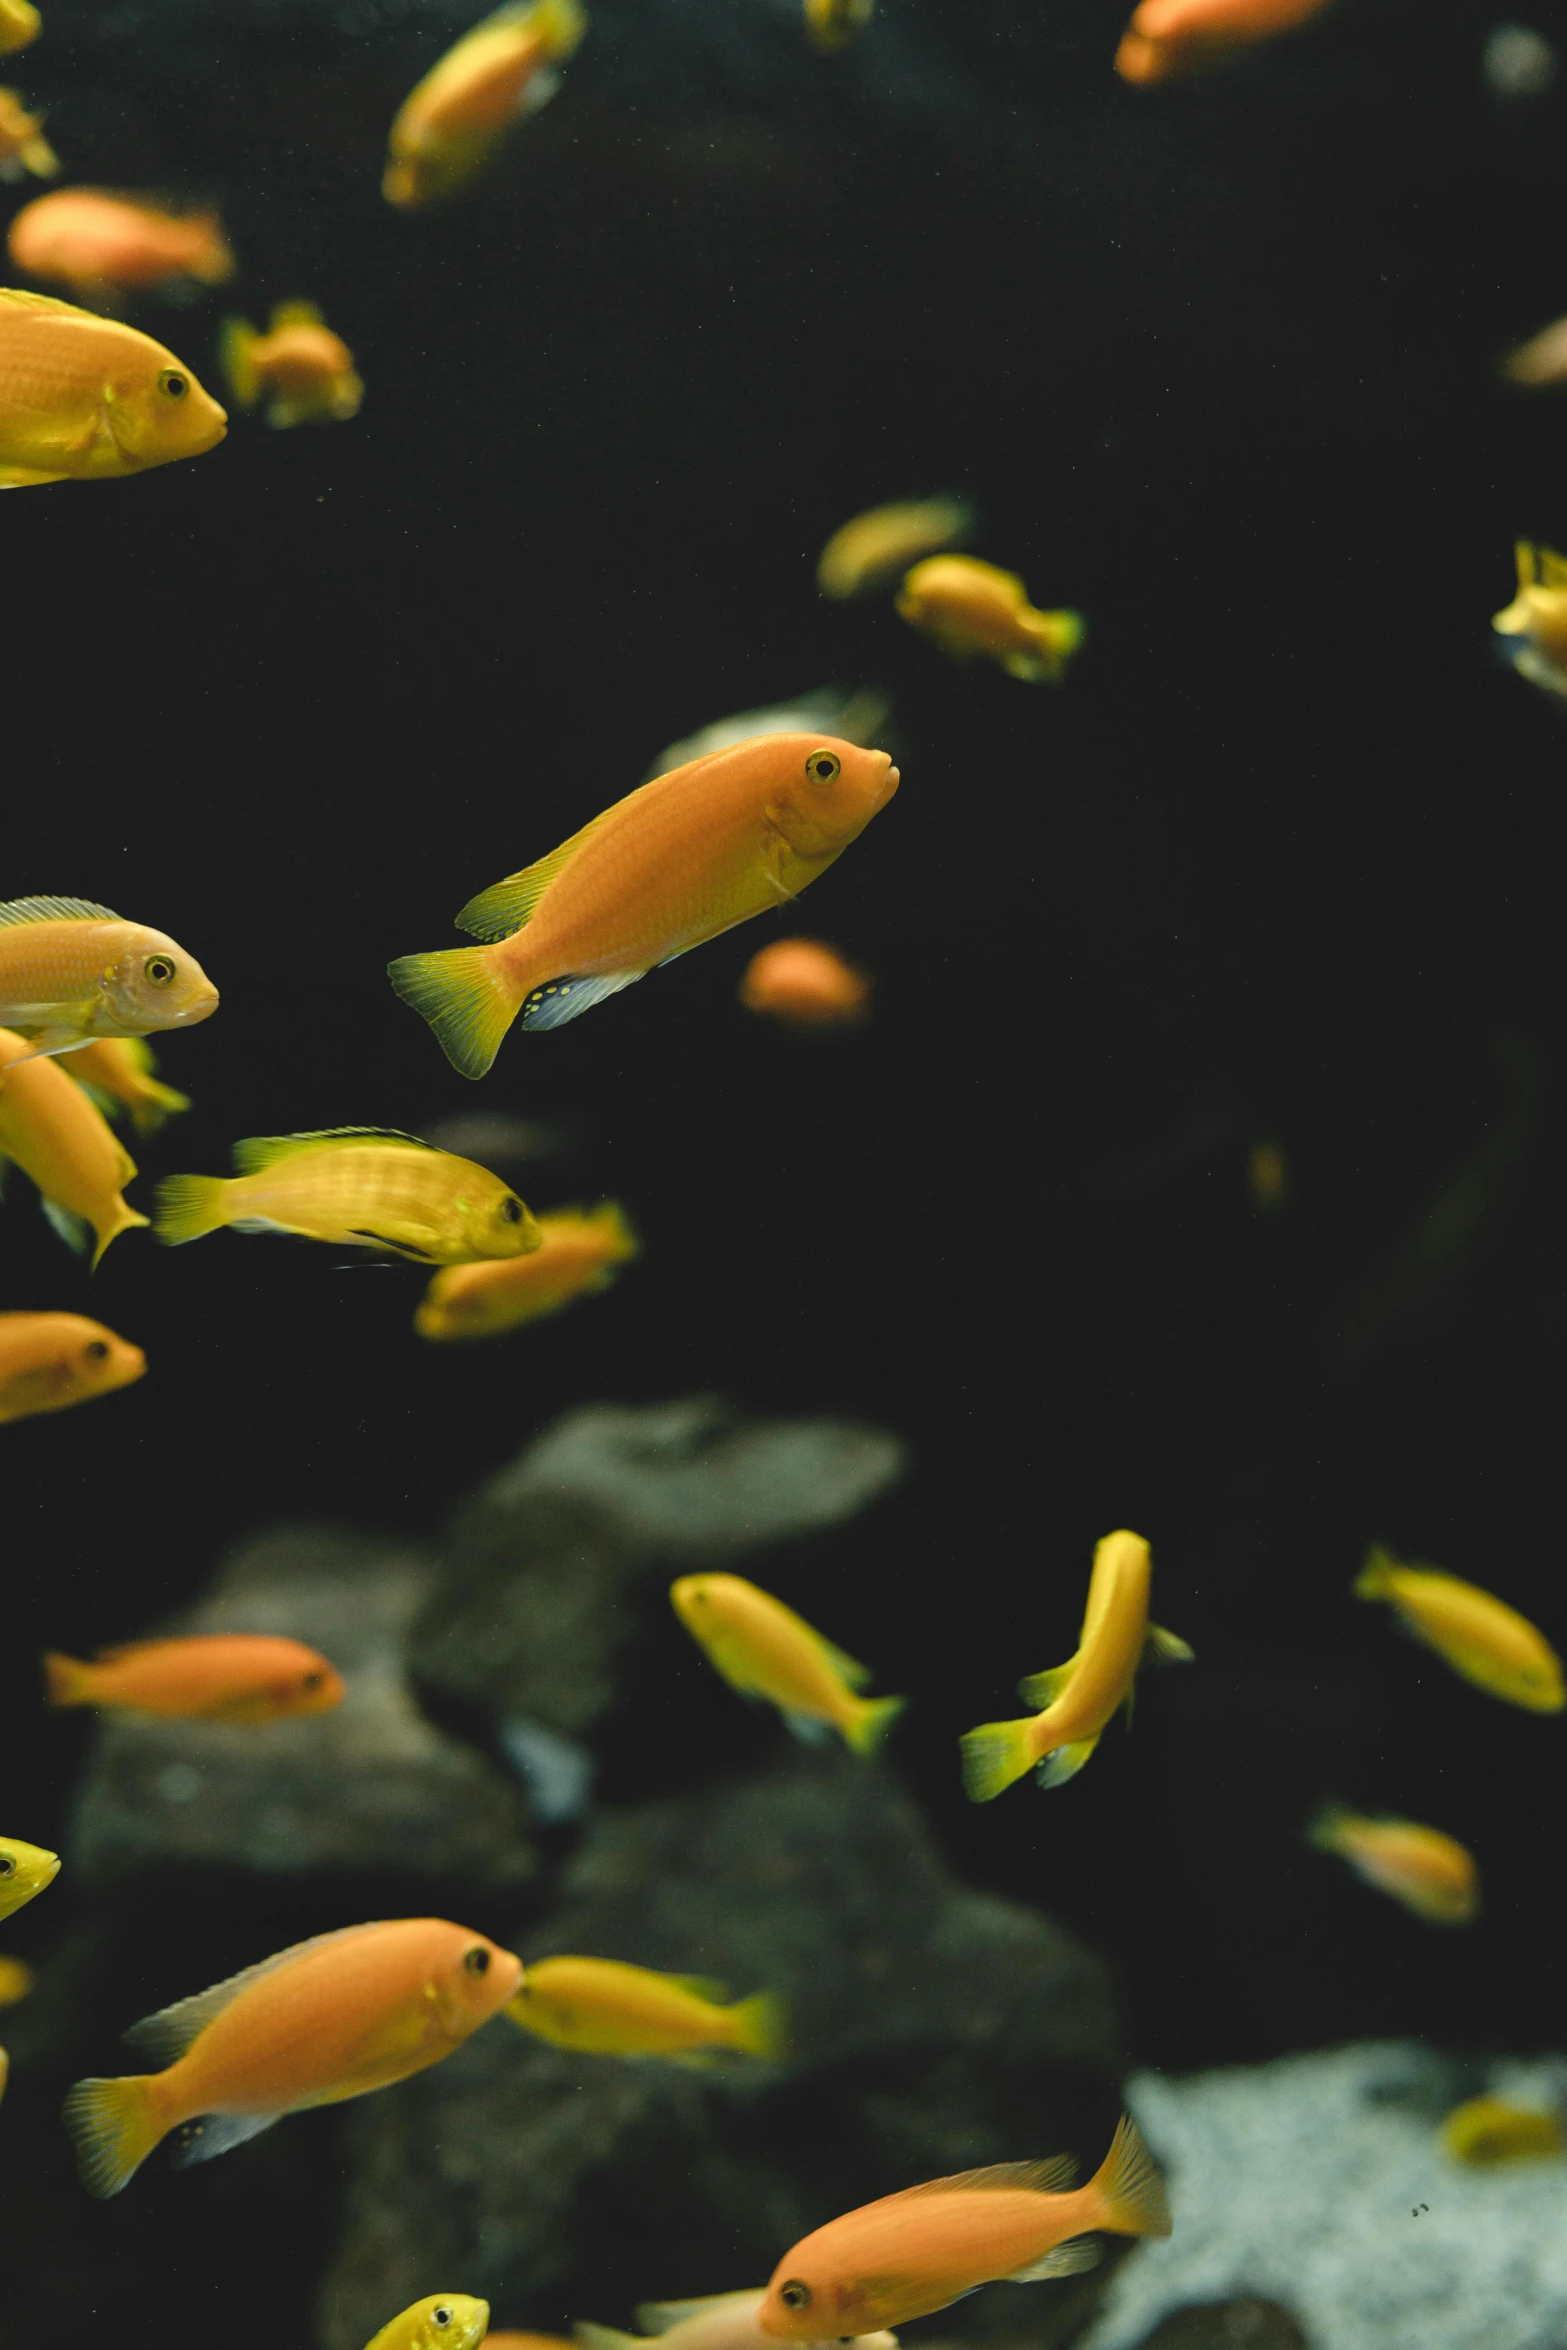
677	862
720	2321
60	1138
603	2007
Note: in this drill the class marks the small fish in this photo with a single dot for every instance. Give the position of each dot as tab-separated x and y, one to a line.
720	2321
857	717
70	970
327	2020
601	2007
1428	1872
578	1256
878	546
50	1361
765	1650
1482	1638
972	610
105	246
56	1136
20	23
1080	1696
452	125
16	1981
1534	625
115	402
443	2321
833	24
1167	38
118	1073
23	147
675	863
1487	2131
1541	362
359	1186
25	1870
805	985
909	2254
307	370
243	1677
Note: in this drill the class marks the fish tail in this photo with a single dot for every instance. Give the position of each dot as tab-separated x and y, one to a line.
619	1237
67	1681
188	1206
1325	1830
1375	1579
40	159
1130	2186
157	1104
236	348
465	999
995	1756
761	2025
113	2126
561	25
121	1218
871	1723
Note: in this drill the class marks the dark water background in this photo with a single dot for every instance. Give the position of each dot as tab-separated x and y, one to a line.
1284	858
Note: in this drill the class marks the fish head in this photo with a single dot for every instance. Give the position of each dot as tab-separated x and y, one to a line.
825	791
314	1688
25	1869
153	983
805	2302
699	1602
156	410
101	1361
475	1984
492	1220
443	2321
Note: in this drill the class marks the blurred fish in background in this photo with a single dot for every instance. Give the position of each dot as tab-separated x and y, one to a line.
119	1073
877	547
20	23
859	717
1431	1873
451	127
23	147
48	1362
106	248
579	1255
975	611
804	984
299	366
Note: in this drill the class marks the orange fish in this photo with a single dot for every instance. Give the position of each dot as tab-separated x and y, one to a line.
59	1138
245	1677
974	610
1170	37
23	147
452	124
672	865
299	361
50	1361
804	984
1428	1872
104	246
327	2020
909	2254
581	1250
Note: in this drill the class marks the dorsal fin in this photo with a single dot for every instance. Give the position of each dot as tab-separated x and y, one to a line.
500	911
51	909
13	298
1053	2176
295	314
164	2037
661	2317
265	1150
701	1987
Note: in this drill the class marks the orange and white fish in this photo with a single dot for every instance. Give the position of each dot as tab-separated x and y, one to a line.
87	399
909	2254
1080	1696
719	2321
675	863
441	2321
877	546
765	1650
602	2007
330	2019
104	246
307	370
453	123
59	1138
20	23
580	1254
243	1677
805	985
974	610
50	1361
1429	1872
70	970
1170	37
1533	626
23	147
118	1072
1481	1637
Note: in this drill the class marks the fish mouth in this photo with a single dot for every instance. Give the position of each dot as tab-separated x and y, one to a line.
889	782
201	1008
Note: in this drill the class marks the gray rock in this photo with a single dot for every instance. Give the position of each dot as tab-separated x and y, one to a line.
1248	2324
934	2028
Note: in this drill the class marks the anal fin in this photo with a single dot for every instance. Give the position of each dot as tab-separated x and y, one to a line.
808	1729
215	2134
1065	1763
568	998
1066	2260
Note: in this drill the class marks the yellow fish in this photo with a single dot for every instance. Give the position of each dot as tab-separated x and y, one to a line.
1080	1696
1430	1873
972	610
51	1361
442	2321
118	1072
677	862
70	970
360	1186
453	123
55	1135
16	1981
872	549
1482	1638
832	24
1486	2131
765	1650
84	398
25	1870
23	147
603	2008
1534	624
20	23
305	369
579	1253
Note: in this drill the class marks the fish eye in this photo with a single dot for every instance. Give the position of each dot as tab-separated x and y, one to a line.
794	2294
7	1865
312	1680
158	970
822	766
172	384
441	2316
511	1210
477	1960
95	1350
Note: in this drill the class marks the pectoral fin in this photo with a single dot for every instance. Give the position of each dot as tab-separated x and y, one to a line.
1042	1689
1166	1648
1067	2260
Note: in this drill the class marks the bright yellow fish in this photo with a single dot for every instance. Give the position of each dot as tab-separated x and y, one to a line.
1482	1638
57	1136
1080	1696
25	1870
20	23
603	2008
580	1251
84	398
1487	2131
442	2321
453	123
118	1072
70	970
23	147
765	1650
1430	1873
973	610
359	1186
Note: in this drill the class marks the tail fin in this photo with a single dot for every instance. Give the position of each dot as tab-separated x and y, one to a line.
188	1206
236	353
619	1238
121	1219
156	1104
761	2025
561	25
66	1680
1325	1830
113	2127
1375	1579
871	1723
995	1756
458	991
1131	2186
40	158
